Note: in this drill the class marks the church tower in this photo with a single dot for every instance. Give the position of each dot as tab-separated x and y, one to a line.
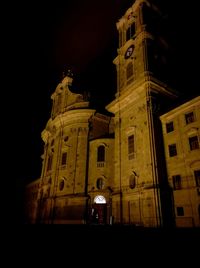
141	65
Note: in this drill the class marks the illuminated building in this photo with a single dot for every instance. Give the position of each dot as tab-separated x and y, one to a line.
181	143
100	169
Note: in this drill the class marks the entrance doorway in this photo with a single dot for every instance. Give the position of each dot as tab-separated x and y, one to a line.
98	213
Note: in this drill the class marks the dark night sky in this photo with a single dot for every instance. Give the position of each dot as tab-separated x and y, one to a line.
80	35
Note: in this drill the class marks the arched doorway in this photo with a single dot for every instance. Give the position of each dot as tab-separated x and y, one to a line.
98	210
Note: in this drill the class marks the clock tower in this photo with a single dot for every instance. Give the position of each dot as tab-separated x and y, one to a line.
143	50
142	92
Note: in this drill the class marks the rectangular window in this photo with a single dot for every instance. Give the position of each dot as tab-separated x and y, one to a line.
130	32
172	150
176	182
189	118
169	127
180	211
101	153
194	143
64	159
49	163
131	149
197	177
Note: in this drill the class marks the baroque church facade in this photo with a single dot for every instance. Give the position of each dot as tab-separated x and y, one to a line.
138	166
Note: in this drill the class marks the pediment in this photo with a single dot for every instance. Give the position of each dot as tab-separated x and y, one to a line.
192	131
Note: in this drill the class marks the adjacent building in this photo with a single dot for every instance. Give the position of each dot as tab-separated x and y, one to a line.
181	131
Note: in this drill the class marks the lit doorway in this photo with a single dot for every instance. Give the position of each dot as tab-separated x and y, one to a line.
98	213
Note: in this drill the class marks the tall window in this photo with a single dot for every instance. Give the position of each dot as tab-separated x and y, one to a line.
172	150
132	181
189	118
64	159
52	143
100	183
197	177
49	162
176	182
101	154
169	127
194	143
131	147
129	70
61	185
130	31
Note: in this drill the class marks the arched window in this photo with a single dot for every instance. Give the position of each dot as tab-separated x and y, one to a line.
99	199
130	31
61	185
101	154
132	182
129	70
100	183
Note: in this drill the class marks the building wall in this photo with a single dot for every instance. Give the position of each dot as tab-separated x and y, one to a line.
69	133
31	195
187	196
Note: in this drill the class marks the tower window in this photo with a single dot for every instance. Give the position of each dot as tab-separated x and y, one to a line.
130	32
172	150
197	177
169	127
129	70
131	147
189	118
176	182
64	159
49	162
194	143
52	143
101	154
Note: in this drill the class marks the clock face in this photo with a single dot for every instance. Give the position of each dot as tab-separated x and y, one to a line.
129	51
